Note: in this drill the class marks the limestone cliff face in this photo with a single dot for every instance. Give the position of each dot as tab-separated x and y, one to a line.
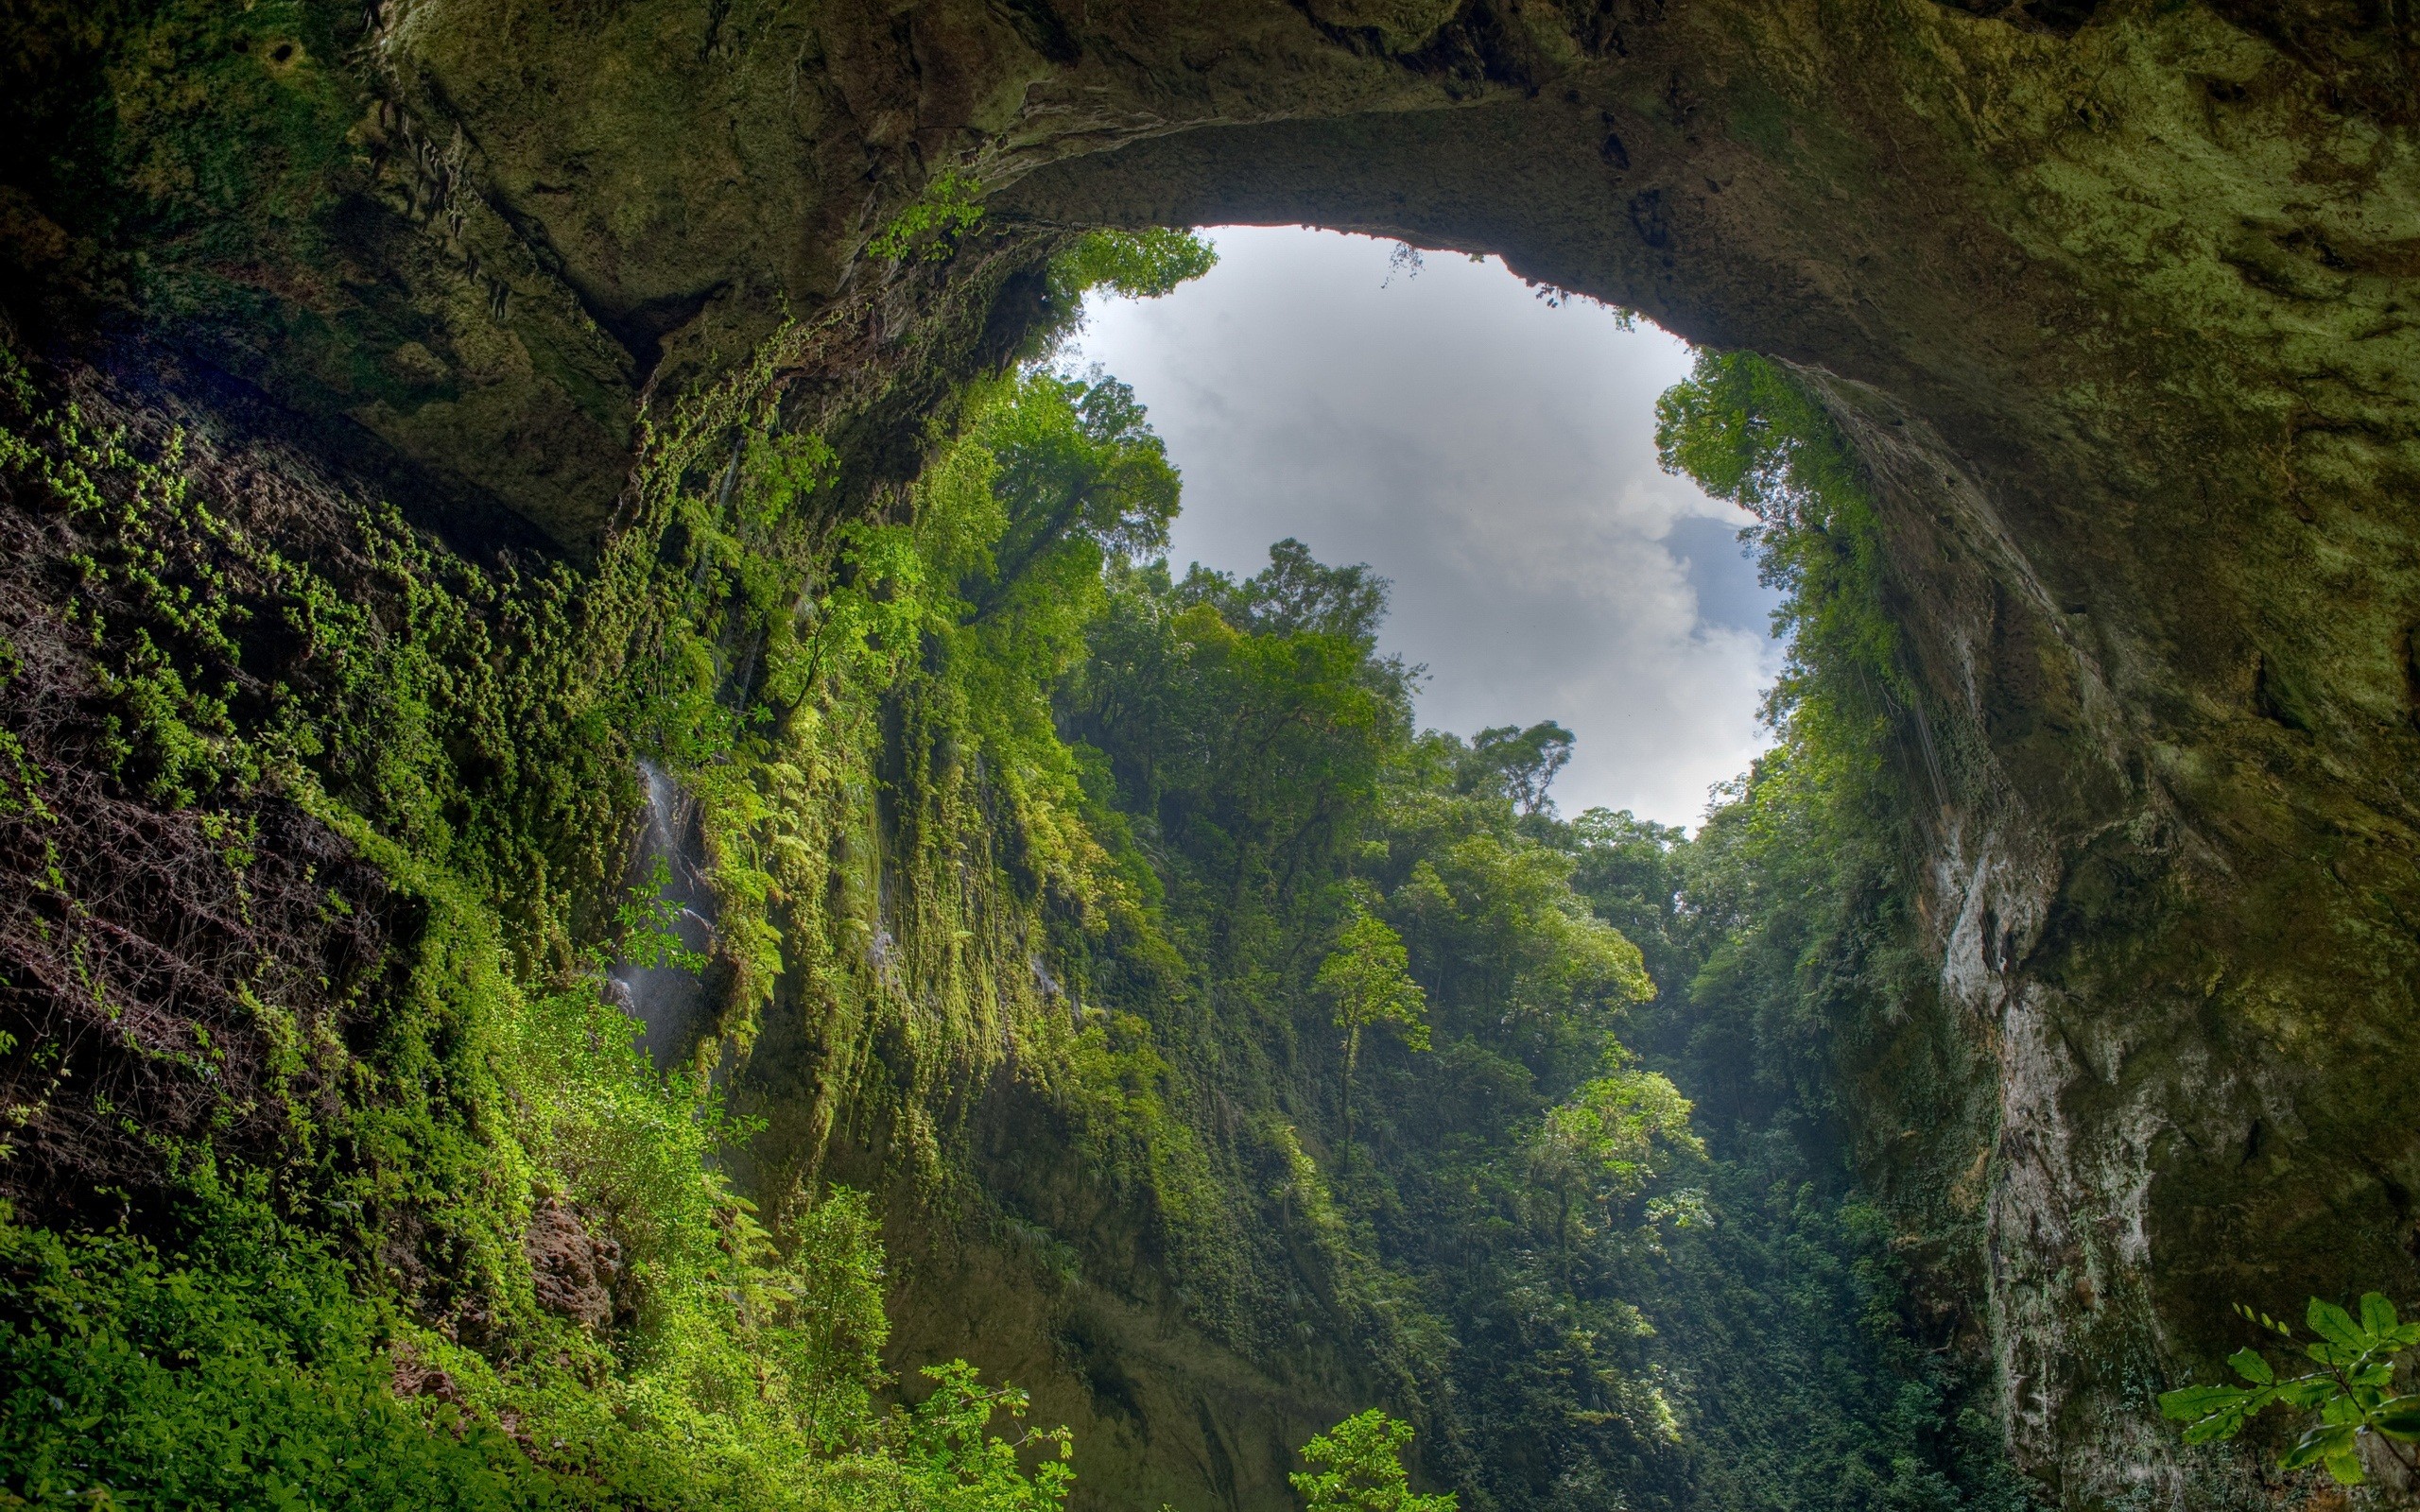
2120	303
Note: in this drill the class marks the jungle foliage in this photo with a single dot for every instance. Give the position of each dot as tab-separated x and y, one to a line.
1587	1288
347	1173
1526	1118
1358	1467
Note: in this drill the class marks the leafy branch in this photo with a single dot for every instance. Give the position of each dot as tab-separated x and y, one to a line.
2352	1391
650	926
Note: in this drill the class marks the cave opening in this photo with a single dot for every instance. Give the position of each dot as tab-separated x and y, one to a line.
1487	445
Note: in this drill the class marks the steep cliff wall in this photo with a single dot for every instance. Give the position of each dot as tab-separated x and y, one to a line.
2115	302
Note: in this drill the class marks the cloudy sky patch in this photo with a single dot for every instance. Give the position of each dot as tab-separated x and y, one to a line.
1494	455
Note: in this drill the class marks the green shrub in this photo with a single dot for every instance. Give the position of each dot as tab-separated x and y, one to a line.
1357	1468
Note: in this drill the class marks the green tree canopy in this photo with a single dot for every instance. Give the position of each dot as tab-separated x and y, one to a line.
1295	595
1075	464
1357	1468
1139	264
1523	762
1614	1132
1369	978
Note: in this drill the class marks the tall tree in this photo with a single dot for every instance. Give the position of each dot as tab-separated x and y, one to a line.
1370	978
1524	760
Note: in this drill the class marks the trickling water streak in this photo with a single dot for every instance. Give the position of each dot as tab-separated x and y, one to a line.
670	1003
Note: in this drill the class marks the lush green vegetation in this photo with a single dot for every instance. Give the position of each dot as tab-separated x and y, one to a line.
2353	1391
1528	1118
348	1304
1583	1286
1358	1467
429	1218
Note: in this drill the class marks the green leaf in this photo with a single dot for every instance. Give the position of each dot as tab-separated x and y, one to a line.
2335	1324
2378	1314
2216	1428
2315	1446
2192	1403
2249	1365
2334	1356
2307	1391
2345	1465
2398	1418
2220	1411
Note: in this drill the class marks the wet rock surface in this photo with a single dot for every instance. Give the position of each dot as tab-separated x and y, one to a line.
670	997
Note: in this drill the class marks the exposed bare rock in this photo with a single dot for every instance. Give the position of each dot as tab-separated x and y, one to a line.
576	1269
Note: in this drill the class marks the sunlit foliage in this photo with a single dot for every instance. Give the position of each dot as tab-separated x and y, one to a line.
475	1250
1358	1467
980	782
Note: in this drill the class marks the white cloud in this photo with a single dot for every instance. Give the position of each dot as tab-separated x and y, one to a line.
1495	456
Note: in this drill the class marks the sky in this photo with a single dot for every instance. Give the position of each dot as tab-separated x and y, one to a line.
1491	454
